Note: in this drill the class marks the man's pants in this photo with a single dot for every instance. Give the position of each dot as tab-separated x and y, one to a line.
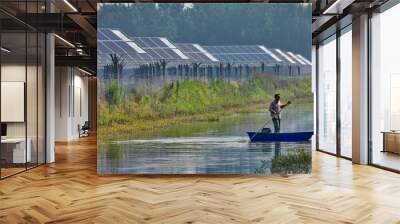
277	124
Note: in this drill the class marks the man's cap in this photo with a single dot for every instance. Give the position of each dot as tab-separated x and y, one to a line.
277	94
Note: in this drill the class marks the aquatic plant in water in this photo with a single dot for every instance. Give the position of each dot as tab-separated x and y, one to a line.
296	161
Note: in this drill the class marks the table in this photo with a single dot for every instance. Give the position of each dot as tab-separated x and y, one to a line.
391	141
13	150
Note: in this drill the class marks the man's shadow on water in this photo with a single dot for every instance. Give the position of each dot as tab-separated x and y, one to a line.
277	149
266	164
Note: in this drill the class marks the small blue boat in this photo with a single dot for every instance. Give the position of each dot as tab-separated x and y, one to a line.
280	137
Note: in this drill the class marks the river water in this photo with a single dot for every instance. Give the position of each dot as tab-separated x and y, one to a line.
204	147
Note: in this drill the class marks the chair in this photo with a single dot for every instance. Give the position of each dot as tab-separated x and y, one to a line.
84	130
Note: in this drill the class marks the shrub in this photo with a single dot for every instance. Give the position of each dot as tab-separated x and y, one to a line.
296	161
114	93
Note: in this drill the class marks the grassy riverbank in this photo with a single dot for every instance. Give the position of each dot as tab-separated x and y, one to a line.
122	112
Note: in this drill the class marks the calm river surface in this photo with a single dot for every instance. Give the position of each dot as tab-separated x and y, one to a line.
203	147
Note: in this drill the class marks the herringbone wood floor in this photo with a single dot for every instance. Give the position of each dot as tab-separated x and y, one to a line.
70	191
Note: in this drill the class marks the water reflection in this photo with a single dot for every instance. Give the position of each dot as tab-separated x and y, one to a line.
277	149
202	148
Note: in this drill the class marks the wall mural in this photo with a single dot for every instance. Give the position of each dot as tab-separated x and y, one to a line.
204	88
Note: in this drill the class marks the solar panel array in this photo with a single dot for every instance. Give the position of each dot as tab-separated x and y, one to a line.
196	53
143	50
241	54
137	50
159	48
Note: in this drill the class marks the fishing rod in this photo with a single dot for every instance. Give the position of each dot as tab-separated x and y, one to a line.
269	121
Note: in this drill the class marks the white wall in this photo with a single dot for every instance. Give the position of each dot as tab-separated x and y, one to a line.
71	102
62	82
12	73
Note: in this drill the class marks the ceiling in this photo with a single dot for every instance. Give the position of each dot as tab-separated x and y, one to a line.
75	21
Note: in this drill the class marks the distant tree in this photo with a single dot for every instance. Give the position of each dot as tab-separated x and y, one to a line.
195	67
115	69
163	64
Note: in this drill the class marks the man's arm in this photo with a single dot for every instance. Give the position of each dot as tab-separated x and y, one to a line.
285	105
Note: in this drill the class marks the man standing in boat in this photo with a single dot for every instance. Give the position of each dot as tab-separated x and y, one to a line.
275	109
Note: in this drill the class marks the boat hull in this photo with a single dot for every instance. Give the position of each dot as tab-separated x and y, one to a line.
280	137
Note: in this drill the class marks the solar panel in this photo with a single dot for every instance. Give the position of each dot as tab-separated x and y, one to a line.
103	49
188	48
126	47
135	50
163	54
293	56
159	42
140	43
153	54
304	59
110	34
247	57
149	42
159	48
139	50
270	53
196	53
113	47
171	53
101	36
202	57
242	54
197	57
285	56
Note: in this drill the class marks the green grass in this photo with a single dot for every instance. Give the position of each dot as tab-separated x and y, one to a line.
122	111
296	161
